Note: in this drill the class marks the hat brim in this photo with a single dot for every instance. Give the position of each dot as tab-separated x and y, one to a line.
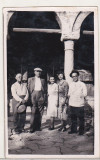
38	70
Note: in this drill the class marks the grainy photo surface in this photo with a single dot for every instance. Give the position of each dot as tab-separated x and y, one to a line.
50	81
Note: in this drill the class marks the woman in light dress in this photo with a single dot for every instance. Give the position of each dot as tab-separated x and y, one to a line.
63	100
52	101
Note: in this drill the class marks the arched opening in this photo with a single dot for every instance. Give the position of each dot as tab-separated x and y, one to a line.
28	50
84	51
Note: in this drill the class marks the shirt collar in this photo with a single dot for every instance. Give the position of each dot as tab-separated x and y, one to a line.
61	82
19	83
76	82
37	77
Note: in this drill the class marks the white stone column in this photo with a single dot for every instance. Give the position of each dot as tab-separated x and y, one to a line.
70	23
69	59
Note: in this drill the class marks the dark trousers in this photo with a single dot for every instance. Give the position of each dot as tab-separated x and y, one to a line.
18	118
36	110
77	113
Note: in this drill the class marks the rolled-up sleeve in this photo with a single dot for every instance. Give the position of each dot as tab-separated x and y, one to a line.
14	94
69	91
84	90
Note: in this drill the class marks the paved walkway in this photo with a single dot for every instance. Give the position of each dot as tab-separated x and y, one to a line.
49	142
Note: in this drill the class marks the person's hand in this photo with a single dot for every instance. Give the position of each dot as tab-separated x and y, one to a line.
64	102
57	105
23	101
18	104
67	100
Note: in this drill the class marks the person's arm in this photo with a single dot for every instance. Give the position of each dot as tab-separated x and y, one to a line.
45	92
66	87
29	84
45	87
14	94
69	91
29	87
57	91
27	96
84	90
57	88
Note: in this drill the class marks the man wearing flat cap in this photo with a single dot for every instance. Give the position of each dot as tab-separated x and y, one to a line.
37	92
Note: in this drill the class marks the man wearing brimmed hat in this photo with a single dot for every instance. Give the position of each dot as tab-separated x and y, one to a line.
37	91
20	97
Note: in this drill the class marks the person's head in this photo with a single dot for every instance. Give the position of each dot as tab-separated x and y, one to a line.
74	74
18	77
60	75
51	79
37	72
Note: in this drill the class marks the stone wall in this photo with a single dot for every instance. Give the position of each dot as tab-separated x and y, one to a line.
86	77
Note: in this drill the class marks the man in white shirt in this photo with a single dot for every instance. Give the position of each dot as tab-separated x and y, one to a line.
37	91
77	93
20	96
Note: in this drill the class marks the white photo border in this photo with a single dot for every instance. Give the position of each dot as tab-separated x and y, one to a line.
96	67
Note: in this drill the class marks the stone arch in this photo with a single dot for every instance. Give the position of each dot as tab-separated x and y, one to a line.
11	13
58	20
14	24
79	20
9	16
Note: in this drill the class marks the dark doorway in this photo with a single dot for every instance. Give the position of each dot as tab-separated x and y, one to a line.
84	47
25	51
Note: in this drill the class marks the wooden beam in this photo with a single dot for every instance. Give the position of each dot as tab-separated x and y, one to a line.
58	31
88	32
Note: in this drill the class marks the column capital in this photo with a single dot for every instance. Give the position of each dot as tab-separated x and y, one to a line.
70	23
70	36
67	20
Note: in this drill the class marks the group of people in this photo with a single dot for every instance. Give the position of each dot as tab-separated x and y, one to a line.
58	95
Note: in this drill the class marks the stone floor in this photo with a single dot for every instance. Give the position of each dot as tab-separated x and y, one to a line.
49	142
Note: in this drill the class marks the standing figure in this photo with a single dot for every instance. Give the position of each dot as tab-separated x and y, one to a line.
62	101
37	92
20	97
77	93
52	101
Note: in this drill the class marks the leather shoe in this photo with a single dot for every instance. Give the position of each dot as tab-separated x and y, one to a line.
39	129
24	131
64	129
14	131
51	128
81	133
71	132
60	129
31	131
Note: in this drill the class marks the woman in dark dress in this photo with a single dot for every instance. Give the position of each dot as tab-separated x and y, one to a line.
62	100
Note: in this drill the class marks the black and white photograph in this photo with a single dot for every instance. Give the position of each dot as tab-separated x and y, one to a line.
51	67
